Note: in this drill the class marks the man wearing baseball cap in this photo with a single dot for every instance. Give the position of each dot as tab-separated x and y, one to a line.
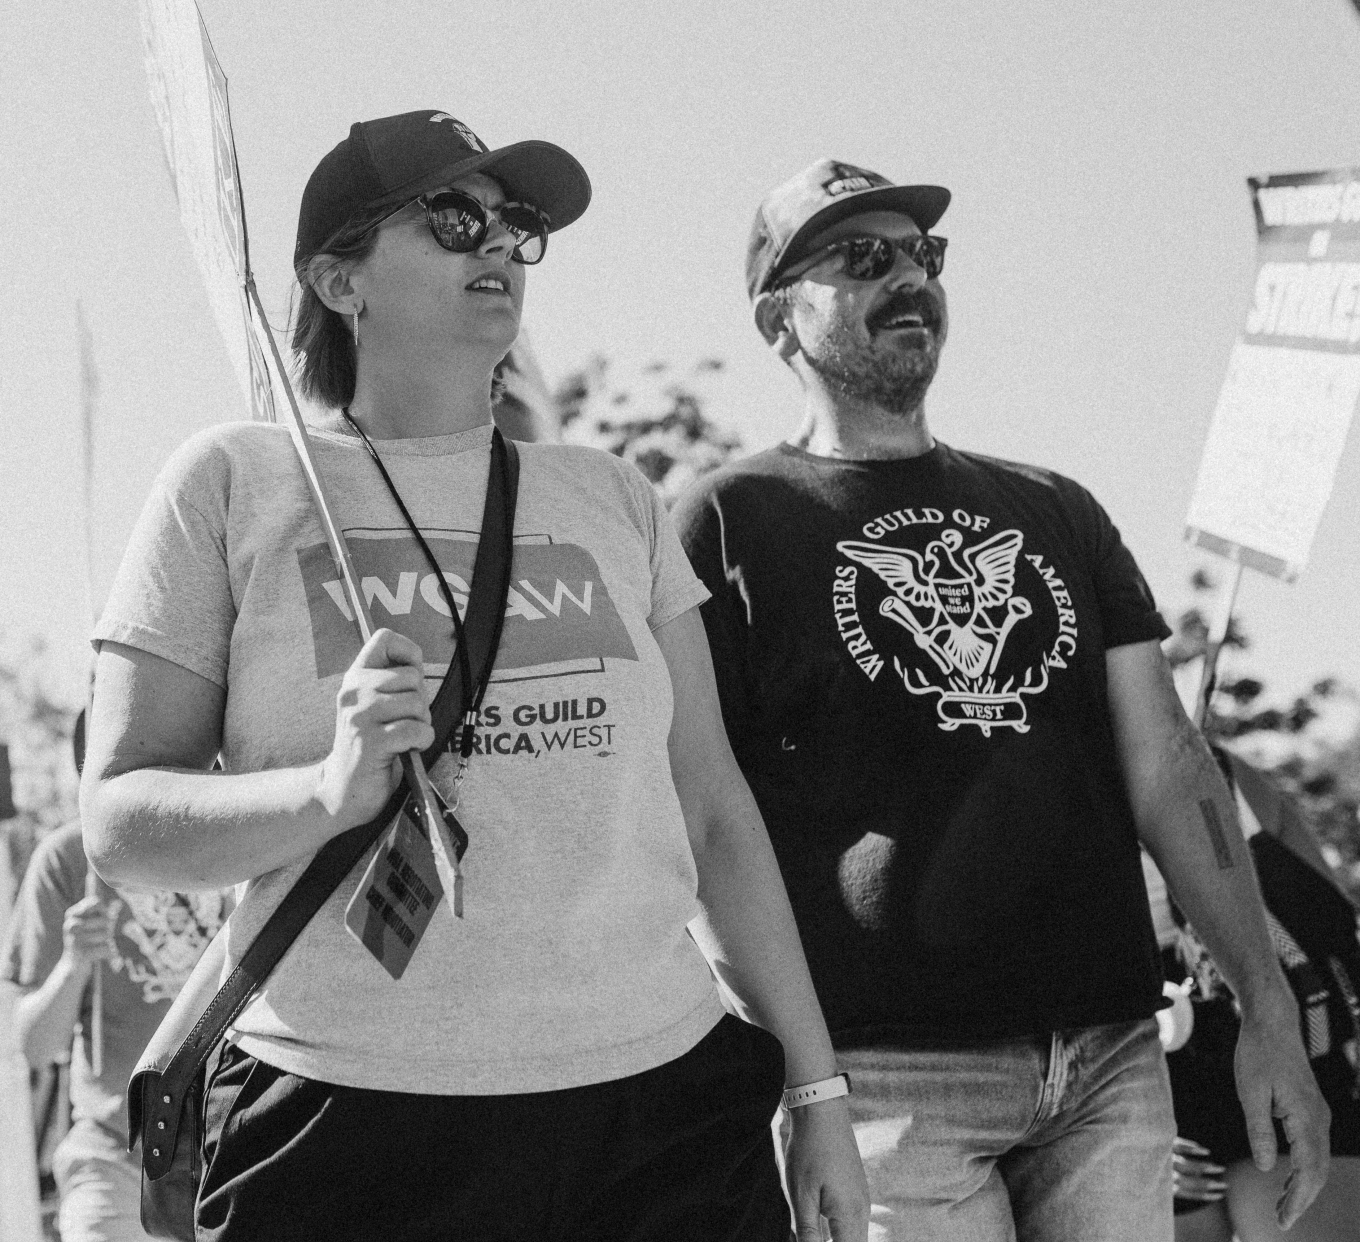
942	677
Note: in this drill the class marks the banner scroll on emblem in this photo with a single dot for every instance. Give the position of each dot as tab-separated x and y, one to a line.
189	95
1293	379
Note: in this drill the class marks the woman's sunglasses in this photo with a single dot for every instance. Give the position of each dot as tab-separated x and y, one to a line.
872	258
458	222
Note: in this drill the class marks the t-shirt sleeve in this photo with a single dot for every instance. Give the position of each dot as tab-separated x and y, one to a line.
33	942
699	519
172	595
1128	613
675	587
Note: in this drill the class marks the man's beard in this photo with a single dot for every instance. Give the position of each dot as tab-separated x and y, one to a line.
891	379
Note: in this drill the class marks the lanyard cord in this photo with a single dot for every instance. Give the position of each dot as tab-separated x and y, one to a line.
475	693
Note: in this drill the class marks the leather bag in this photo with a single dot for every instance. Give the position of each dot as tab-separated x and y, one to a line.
165	1093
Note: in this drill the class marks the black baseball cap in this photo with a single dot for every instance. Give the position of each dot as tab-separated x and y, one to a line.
830	190
390	161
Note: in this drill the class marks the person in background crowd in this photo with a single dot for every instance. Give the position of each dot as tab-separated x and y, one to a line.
942	678
1219	1190
555	1063
66	926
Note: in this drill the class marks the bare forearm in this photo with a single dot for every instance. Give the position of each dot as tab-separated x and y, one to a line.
189	830
1188	821
45	1017
748	933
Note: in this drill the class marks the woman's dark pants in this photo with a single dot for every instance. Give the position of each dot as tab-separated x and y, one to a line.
681	1152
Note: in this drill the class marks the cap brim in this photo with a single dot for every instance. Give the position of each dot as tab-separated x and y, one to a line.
536	172
925	204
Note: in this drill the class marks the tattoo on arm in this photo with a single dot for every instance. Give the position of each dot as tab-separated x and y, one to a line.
1214	826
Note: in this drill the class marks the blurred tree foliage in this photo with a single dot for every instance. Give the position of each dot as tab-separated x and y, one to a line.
1310	746
658	423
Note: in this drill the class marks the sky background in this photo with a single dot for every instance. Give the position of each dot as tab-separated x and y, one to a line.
1101	242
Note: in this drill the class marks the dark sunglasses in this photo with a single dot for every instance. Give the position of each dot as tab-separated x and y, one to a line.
872	258
459	222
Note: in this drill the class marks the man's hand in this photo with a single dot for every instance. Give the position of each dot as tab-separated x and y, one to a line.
826	1178
87	933
1194	1175
1274	1080
46	1012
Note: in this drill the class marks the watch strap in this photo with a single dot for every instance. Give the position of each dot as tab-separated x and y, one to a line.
815	1092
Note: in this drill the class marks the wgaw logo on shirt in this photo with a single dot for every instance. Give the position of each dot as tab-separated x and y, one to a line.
986	621
559	617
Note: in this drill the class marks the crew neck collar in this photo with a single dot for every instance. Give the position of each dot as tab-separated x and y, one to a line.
332	427
930	459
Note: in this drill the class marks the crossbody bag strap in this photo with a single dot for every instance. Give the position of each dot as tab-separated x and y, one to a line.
482	624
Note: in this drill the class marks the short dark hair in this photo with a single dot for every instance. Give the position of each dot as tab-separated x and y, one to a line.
323	338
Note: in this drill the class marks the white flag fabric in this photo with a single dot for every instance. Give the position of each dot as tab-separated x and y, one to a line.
189	95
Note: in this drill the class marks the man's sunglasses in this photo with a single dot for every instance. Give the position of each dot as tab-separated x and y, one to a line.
458	222
872	258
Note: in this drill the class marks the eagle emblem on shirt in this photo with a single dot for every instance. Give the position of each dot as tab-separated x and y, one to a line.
953	587
959	605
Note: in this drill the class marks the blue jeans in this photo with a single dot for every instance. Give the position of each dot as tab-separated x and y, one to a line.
1061	1138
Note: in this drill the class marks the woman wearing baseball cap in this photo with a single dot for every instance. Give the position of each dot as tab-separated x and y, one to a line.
554	1061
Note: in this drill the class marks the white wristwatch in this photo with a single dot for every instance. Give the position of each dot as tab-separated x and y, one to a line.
815	1092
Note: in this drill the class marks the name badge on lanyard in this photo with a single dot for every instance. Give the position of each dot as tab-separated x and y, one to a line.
397	897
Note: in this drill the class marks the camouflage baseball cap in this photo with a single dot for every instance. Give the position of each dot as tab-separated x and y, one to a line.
793	213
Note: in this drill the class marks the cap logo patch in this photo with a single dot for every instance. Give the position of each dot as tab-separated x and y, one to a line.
848	179
466	134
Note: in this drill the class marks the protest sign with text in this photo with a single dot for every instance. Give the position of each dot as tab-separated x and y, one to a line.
1293	379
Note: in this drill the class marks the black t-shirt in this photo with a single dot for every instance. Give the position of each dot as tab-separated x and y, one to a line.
911	660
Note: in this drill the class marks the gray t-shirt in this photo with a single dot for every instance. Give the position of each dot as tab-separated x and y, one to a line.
157	938
573	963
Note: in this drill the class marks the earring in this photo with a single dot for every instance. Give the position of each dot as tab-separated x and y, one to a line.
354	322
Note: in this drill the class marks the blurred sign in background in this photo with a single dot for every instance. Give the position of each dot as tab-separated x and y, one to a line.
1280	425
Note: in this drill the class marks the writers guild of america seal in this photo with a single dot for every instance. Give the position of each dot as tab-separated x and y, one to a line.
957	598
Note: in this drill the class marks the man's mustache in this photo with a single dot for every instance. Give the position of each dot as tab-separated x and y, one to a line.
920	302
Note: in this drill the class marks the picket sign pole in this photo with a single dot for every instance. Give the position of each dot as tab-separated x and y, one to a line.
96	993
411	762
20	1218
89	393
1218	632
180	56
